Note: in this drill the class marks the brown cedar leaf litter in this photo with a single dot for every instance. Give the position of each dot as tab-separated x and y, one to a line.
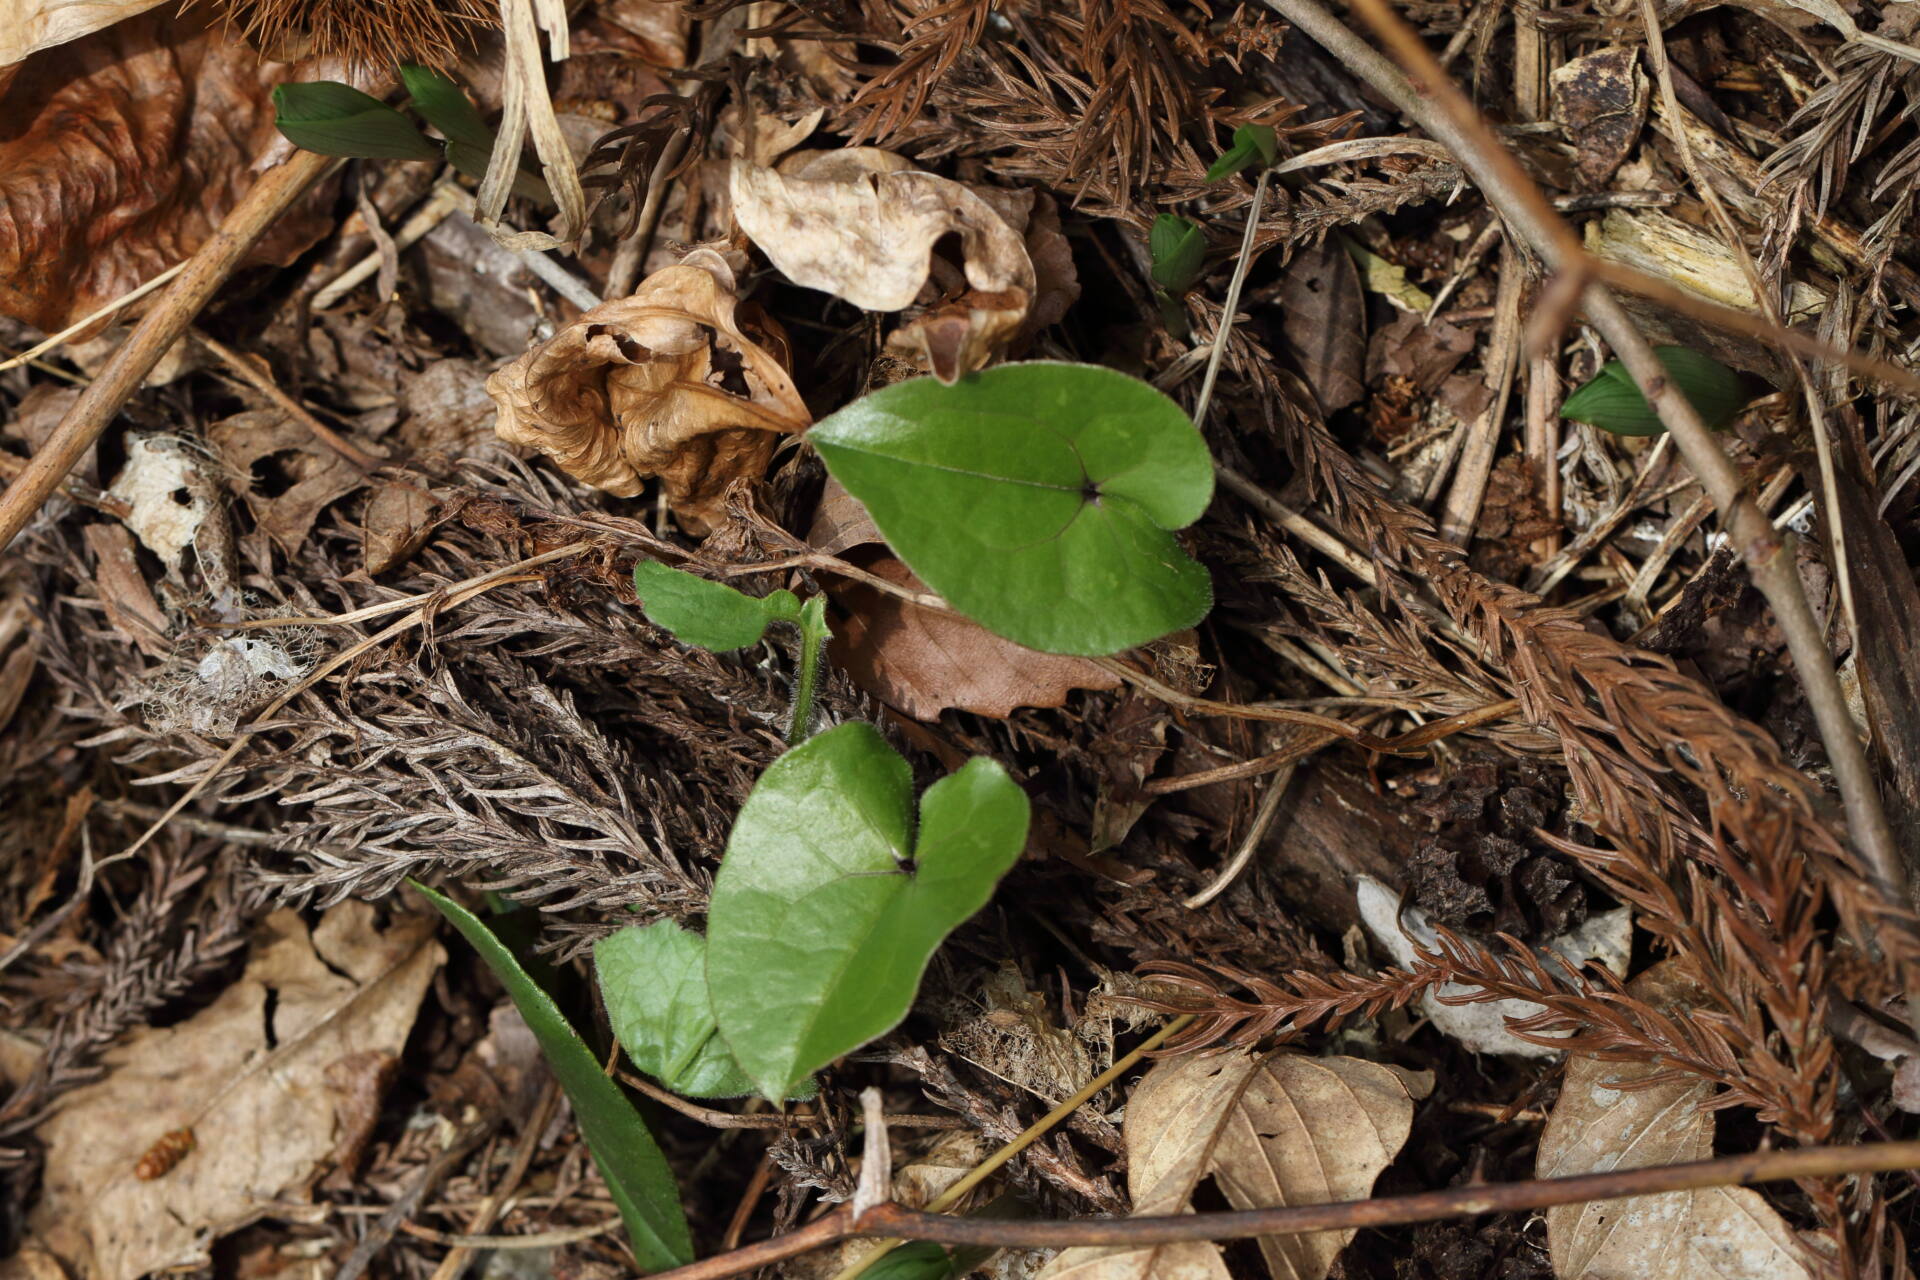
541	741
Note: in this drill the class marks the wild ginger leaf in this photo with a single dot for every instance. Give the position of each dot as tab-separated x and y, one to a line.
1039	499
637	1174
653	979
708	614
1252	144
828	906
1611	400
335	119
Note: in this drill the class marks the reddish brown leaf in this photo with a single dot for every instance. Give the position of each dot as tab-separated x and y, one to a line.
121	151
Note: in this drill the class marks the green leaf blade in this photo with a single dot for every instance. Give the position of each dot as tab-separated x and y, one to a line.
708	614
334	119
636	1172
1612	401
1039	499
818	934
441	104
653	979
1178	249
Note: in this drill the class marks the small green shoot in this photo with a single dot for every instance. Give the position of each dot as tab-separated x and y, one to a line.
1253	144
1178	249
1039	499
828	904
713	615
653	979
335	119
1612	401
636	1172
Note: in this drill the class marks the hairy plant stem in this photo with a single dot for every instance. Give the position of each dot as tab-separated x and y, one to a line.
1420	1206
1438	106
812	623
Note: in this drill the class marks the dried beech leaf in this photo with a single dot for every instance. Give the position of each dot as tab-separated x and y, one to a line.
1608	1118
120	153
1275	1129
667	383
923	662
862	223
248	1076
33	25
307	476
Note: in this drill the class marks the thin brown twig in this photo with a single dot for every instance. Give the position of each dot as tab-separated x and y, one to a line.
1421	1206
714	1119
205	272
263	383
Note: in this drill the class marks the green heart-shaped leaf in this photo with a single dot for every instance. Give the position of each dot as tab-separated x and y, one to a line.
1038	498
1612	400
711	615
1177	248
653	979
827	907
335	119
636	1172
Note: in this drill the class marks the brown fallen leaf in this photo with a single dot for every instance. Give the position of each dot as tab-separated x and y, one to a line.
862	223
1270	1129
922	662
33	25
248	1076
1608	1117
681	381
121	151
399	517
1600	100
123	591
301	475
1323	323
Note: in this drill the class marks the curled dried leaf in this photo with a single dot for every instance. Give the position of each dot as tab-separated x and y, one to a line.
680	381
862	224
121	152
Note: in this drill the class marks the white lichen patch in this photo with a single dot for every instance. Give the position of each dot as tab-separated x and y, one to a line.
163	485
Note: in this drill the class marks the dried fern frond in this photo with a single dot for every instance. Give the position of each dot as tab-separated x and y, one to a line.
1283	1006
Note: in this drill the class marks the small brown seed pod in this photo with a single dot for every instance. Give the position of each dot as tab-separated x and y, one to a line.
164	1154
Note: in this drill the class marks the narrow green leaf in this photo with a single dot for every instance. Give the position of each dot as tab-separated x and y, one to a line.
654	981
1261	138
1178	248
1231	161
708	614
1038	498
636	1173
442	105
826	908
1612	401
337	119
1252	144
473	161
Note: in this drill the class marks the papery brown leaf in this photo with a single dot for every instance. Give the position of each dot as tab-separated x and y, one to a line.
123	591
667	383
248	1075
33	25
920	661
1600	100
862	223
1273	1129
1323	323
309	477
120	152
1609	1117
